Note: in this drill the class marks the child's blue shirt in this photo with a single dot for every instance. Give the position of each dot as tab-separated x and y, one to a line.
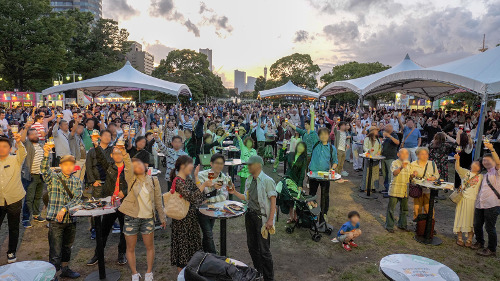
347	227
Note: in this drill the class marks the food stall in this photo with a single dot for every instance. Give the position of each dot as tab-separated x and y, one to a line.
15	99
51	99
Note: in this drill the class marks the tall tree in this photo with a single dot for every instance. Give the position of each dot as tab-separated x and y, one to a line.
299	68
260	84
95	48
190	68
351	70
32	43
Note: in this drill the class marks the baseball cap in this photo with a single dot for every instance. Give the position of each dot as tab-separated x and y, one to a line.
67	158
255	159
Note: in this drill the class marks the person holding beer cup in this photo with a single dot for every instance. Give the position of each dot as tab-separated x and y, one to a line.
216	193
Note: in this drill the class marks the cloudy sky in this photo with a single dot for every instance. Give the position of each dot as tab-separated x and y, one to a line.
250	34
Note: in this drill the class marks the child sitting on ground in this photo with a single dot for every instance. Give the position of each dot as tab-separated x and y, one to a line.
349	231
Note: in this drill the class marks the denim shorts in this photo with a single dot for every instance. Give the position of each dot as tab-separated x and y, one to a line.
133	226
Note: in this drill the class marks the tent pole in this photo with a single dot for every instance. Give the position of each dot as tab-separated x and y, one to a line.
139	95
480	128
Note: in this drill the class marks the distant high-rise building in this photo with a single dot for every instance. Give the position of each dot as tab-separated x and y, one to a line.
93	6
208	53
240	81
141	60
251	83
265	72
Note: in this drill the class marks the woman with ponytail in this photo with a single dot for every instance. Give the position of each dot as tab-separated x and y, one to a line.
186	237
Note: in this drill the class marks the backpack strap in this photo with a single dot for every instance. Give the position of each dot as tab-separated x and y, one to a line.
70	194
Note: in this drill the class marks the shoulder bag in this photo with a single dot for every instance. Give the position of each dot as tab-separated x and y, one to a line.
176	207
492	188
403	142
414	190
205	158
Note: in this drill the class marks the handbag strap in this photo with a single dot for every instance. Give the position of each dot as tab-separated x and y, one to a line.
408	135
70	194
425	170
492	188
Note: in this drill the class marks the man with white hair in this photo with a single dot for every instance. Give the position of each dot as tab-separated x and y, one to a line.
260	193
398	191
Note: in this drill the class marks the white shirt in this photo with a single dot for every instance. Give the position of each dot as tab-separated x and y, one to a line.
4	123
145	204
67	115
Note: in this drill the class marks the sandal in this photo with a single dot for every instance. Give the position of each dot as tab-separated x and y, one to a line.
468	243
460	242
290	221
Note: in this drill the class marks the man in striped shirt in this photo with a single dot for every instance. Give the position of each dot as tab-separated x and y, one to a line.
31	176
38	126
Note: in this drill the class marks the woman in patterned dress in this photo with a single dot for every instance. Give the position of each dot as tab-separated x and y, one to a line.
438	152
186	238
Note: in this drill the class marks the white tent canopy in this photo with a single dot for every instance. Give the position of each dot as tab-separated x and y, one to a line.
288	89
358	85
125	79
479	74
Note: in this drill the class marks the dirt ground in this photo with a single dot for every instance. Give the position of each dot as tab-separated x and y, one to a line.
295	256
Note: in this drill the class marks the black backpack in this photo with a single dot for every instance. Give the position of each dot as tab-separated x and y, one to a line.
210	267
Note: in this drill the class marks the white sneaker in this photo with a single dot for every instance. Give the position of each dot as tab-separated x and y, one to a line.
148	276
136	277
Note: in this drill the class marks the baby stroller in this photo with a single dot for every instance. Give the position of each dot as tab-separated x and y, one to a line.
308	210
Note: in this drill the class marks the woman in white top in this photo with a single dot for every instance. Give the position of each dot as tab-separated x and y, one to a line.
464	212
371	145
425	169
143	198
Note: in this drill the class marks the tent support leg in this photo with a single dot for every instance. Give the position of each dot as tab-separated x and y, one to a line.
139	95
480	128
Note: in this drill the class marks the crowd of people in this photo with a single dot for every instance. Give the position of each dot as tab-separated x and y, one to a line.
116	146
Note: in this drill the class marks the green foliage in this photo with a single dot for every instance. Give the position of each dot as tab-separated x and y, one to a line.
249	95
299	68
461	100
190	68
95	48
260	84
31	47
37	43
352	70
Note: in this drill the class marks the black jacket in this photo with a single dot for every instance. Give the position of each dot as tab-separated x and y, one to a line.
95	171
111	169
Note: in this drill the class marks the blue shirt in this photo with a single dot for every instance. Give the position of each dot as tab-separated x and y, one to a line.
412	140
320	158
347	227
260	133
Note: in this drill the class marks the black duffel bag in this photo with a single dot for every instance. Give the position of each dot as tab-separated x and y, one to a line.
210	267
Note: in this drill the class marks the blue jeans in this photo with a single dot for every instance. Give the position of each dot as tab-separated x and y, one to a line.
33	198
61	238
488	219
386	172
207	226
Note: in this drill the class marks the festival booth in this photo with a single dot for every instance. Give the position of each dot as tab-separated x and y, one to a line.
358	85
478	74
289	92
15	99
125	79
112	98
55	99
